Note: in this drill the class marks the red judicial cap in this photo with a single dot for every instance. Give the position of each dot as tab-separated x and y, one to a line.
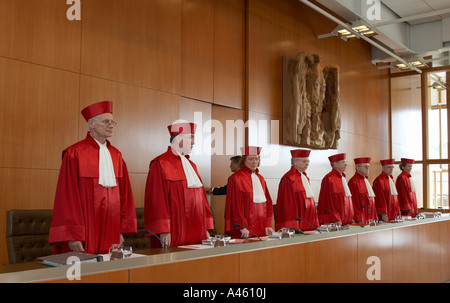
387	161
407	161
97	109
362	160
300	153
182	128
337	157
251	150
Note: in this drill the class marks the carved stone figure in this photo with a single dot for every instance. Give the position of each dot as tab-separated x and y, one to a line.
311	116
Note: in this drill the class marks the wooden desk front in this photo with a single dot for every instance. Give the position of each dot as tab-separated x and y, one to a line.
417	251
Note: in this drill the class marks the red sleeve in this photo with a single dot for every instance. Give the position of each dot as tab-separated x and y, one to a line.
269	206
234	206
404	189
326	201
156	204
128	222
67	221
357	203
286	206
381	197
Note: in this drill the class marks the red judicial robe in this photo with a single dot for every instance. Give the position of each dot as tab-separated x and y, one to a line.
240	208
384	201
407	199
85	210
170	206
360	197
292	203
332	196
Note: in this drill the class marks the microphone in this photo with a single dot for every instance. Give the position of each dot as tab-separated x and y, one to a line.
301	219
162	242
239	225
342	217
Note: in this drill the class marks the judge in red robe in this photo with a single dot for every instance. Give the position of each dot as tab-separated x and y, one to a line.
295	196
386	196
176	207
406	189
363	196
248	207
94	205
335	199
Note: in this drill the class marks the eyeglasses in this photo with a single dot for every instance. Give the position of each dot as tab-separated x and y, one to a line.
108	122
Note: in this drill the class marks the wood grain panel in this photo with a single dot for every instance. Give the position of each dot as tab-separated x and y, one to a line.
135	42
197	49
142	114
38	114
222	269
430	253
334	260
40	32
229	53
287	264
445	251
406	248
375	244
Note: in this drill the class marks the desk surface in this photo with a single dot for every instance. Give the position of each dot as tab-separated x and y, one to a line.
35	272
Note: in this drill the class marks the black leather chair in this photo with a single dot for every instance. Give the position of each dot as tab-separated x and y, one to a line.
138	241
27	234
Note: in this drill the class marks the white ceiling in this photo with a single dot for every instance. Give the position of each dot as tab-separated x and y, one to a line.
424	36
406	8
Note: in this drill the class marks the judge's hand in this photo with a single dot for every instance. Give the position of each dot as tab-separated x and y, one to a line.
244	233
269	231
121	240
76	246
385	218
166	238
208	190
207	235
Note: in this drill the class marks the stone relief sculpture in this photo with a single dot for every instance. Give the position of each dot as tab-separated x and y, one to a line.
311	115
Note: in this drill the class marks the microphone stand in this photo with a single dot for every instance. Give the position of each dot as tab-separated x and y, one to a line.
162	242
301	219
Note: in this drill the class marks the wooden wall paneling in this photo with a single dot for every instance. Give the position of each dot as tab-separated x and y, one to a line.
445	251
142	115
375	244
287	264
221	269
136	42
229	53
406	249
430	253
38	114
334	260
40	33
197	49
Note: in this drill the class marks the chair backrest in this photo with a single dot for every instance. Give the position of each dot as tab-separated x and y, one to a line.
138	240
27	234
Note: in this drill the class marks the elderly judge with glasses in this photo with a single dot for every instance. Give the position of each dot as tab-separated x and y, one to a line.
94	205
